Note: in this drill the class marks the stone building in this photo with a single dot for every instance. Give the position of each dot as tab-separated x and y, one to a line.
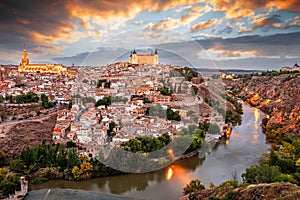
140	59
42	68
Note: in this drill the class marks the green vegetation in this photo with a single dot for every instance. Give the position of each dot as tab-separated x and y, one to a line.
215	76
44	162
165	91
103	82
88	100
2	158
106	101
283	164
29	97
45	102
186	72
37	180
267	73
146	144
9	182
193	187
146	100
157	111
173	115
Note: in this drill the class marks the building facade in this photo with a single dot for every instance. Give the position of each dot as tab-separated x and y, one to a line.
42	68
140	59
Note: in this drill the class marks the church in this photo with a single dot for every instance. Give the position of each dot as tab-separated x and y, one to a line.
141	59
41	68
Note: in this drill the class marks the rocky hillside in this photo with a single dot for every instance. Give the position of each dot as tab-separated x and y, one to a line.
278	96
16	136
227	191
16	111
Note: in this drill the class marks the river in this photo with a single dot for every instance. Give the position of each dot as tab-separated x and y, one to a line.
228	159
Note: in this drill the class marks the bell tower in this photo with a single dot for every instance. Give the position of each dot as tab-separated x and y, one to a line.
25	60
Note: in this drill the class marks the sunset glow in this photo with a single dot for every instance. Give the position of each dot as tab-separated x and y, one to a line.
64	31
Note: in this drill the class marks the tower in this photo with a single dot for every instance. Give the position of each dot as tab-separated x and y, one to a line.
134	57
155	57
25	60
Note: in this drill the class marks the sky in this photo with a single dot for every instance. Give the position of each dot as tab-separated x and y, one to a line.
256	34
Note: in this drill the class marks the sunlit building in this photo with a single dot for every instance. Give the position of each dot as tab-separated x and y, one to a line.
140	59
41	68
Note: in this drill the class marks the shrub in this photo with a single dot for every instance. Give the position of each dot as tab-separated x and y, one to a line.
37	180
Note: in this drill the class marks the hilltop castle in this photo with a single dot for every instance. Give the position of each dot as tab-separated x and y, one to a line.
42	68
144	58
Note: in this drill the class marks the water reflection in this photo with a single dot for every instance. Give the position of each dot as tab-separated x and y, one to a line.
170	173
230	156
255	138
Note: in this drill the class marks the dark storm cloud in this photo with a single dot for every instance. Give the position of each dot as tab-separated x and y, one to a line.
32	21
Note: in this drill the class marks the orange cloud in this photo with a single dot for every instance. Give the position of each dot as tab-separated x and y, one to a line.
204	25
171	23
23	21
237	9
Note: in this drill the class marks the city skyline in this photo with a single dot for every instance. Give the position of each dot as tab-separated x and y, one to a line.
244	35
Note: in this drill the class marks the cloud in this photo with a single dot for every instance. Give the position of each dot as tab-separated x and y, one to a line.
55	22
139	22
266	22
236	9
171	23
204	25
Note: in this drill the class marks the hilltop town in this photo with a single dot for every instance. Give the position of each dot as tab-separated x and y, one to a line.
97	106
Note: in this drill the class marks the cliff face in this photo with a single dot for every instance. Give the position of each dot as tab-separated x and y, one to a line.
277	96
266	191
16	136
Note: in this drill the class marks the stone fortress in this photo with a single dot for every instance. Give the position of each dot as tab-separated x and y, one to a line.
42	68
140	59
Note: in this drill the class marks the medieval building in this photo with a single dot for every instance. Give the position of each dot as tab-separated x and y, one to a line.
140	59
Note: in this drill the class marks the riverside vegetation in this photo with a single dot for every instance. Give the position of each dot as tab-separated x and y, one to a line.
278	174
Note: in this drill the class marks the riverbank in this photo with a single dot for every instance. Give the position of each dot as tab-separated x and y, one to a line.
69	194
243	149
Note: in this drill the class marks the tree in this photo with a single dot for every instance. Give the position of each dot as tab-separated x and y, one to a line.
17	165
106	101
8	187
72	158
3	173
193	187
262	173
165	91
173	115
214	128
285	178
71	144
157	111
2	158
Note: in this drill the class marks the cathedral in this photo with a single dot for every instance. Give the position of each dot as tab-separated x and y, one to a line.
140	59
41	68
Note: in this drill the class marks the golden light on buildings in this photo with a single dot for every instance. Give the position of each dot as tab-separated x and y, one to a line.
41	68
170	173
256	97
278	101
266	101
268	116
